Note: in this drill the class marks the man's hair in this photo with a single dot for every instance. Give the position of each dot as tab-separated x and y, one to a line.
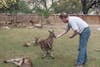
63	15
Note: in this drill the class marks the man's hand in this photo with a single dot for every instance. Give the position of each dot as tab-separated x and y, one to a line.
57	36
70	36
61	34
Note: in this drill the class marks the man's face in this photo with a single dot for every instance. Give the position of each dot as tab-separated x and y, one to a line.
65	20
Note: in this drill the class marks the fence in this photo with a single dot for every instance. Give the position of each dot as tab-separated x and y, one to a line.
26	18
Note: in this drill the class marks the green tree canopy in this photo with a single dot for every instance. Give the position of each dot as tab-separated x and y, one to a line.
7	4
69	6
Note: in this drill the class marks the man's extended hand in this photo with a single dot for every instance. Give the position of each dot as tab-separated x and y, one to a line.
71	36
61	34
57	36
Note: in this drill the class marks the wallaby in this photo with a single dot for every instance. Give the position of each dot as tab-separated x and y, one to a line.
28	44
21	62
46	44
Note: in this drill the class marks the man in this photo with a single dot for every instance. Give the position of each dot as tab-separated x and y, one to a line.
81	28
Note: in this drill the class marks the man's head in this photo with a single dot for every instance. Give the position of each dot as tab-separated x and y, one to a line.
64	17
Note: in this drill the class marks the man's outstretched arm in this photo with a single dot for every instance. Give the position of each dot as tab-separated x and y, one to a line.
64	32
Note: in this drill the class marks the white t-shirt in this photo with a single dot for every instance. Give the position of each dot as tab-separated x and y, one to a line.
76	23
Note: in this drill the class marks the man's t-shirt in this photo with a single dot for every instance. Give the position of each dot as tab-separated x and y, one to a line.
76	23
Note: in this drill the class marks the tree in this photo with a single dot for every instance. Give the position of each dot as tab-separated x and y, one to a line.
43	8
69	6
23	7
14	6
7	5
88	4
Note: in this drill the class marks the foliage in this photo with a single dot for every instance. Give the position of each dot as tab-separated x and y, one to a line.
8	5
88	4
42	8
13	6
23	7
46	7
69	6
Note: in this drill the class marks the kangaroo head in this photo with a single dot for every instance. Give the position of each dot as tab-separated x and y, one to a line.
26	60
36	40
52	34
27	44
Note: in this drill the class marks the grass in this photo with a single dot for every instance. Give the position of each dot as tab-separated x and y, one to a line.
65	49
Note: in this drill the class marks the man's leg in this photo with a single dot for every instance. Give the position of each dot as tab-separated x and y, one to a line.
82	56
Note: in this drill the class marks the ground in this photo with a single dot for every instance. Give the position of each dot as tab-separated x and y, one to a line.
65	49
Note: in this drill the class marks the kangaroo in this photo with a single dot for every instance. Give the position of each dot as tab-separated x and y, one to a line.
28	44
46	45
21	62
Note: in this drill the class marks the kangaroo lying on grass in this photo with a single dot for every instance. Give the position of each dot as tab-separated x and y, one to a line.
28	44
20	62
46	44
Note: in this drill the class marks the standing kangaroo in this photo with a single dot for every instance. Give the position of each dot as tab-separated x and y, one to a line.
46	44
